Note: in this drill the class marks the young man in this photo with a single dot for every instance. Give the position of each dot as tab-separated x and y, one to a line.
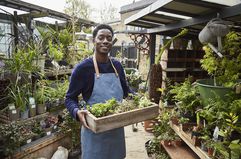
98	79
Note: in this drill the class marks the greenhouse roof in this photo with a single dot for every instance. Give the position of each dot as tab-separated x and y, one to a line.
35	11
166	17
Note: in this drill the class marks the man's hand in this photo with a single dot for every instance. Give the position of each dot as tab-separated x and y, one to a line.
81	115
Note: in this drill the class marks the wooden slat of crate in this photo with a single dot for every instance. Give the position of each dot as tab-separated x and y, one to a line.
44	147
102	124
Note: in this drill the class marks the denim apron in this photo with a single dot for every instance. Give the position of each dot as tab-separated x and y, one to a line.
109	144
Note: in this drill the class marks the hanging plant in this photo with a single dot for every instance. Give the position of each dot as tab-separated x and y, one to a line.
226	70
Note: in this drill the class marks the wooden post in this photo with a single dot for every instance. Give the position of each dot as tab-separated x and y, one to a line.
155	73
56	26
15	27
29	26
152	48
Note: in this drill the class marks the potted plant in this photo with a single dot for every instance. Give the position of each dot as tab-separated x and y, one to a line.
152	147
225	71
184	124
178	141
208	143
41	97
18	96
187	99
167	138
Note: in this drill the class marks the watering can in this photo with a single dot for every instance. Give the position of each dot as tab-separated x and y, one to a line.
212	33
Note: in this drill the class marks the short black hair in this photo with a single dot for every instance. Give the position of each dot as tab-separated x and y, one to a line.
102	26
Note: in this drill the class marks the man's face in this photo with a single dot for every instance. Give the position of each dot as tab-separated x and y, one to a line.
103	41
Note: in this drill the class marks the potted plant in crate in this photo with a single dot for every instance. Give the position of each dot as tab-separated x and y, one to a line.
225	71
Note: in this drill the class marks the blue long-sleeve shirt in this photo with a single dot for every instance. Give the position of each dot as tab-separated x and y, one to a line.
82	82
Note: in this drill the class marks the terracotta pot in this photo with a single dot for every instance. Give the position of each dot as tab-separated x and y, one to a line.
210	152
196	141
167	142
149	125
178	143
175	120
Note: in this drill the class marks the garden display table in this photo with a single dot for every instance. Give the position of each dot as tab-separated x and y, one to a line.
109	122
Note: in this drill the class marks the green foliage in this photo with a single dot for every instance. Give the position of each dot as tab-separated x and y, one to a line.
133	79
225	70
10	135
103	109
166	94
40	93
187	96
55	51
153	146
112	106
182	33
65	37
22	60
162	129
70	124
19	95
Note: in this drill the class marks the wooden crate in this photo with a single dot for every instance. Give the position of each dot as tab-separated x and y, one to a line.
102	124
44	147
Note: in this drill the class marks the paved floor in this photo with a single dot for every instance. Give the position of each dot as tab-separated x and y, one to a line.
135	142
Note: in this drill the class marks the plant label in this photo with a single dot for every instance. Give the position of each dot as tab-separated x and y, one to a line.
215	133
33	106
48	133
11	106
14	112
31	101
238	89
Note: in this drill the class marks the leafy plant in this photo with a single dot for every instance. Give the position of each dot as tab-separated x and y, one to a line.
152	146
225	70
182	33
10	136
22	60
40	92
103	109
55	51
18	95
186	96
133	79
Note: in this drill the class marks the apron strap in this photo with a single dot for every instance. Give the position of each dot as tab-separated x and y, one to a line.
116	73
97	69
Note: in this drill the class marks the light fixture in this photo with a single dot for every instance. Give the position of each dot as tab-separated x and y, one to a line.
172	15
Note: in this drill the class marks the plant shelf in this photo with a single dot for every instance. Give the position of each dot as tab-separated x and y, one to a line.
51	73
187	139
109	122
175	152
